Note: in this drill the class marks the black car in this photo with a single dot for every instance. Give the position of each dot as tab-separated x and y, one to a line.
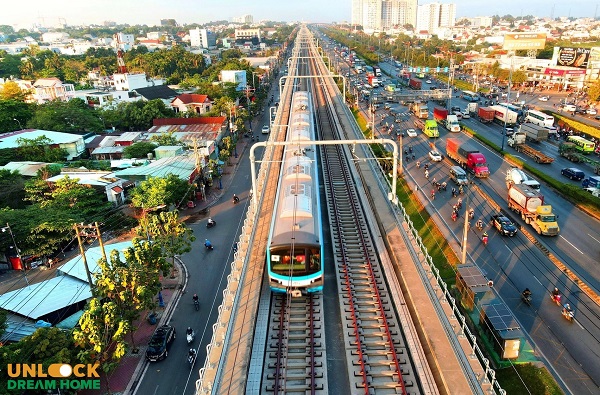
504	225
573	173
160	342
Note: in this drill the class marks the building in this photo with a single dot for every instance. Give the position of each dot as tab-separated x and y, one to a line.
235	76
53	37
247	35
49	89
162	92
192	103
72	143
102	181
244	19
431	17
123	41
203	38
383	15
481	22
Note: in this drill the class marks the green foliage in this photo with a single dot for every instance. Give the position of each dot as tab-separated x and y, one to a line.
538	380
137	115
14	115
12	193
165	139
159	191
39	149
167	232
139	150
72	116
45	346
594	91
3	315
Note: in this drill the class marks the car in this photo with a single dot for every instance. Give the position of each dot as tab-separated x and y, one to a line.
158	347
411	132
386	106
509	131
428	82
594	191
265	129
465	114
592	111
459	115
455	109
573	173
435	156
504	225
597	117
544	98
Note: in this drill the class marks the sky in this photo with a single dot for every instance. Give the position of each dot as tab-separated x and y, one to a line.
150	12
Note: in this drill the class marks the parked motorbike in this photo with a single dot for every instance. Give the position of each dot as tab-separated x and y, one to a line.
210	223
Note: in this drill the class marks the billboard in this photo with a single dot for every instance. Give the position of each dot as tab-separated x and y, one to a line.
515	41
573	57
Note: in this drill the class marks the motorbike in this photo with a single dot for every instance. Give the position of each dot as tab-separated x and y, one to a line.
191	358
209	247
197	305
210	223
568	314
190	337
236	200
526	299
555	299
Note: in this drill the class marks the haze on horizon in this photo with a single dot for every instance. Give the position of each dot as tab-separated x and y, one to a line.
150	12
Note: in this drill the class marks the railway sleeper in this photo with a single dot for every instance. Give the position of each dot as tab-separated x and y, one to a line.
304	374
290	389
367	361
382	386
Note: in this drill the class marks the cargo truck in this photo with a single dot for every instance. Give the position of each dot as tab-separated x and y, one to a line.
377	71
429	127
449	121
570	151
468	156
518	176
414	83
591	182
517	141
530	204
485	114
534	132
420	110
504	115
472	107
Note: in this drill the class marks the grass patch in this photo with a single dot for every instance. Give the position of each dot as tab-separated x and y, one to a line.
538	380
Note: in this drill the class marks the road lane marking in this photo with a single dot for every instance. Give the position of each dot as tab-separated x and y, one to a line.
594	238
572	245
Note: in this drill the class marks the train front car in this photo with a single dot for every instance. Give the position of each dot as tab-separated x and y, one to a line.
295	253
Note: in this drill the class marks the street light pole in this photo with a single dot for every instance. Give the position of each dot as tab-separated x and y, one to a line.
13	238
19	122
507	101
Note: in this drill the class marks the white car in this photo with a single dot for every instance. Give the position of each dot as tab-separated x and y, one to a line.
428	82
465	114
591	111
435	156
544	98
411	132
265	129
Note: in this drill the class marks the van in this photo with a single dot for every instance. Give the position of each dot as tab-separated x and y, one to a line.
458	175
570	107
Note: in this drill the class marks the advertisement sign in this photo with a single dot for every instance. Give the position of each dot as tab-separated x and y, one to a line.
573	57
515	41
551	71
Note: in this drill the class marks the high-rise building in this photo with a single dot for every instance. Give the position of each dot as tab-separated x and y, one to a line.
435	15
202	38
244	19
381	15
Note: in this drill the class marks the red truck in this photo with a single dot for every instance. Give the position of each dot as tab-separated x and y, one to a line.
485	114
414	83
468	156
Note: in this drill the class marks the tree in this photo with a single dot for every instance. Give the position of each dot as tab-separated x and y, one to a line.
159	191
171	235
72	116
100	337
11	91
14	115
139	150
46	346
39	149
518	77
165	139
12	192
594	91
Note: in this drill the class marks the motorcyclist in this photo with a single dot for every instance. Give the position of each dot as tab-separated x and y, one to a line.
195	298
567	309
211	222
235	198
479	224
189	331
526	293
555	295
192	353
207	243
454	215
485	238
426	173
471	213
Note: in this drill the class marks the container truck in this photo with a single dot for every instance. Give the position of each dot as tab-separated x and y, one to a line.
373	81
534	132
449	121
414	83
504	115
591	182
518	176
420	110
377	71
429	127
530	204
468	156
485	114
517	141
472	107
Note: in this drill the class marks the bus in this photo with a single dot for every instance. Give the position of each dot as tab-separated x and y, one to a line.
470	96
539	118
581	144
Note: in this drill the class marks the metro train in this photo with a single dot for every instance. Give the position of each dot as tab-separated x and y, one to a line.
295	245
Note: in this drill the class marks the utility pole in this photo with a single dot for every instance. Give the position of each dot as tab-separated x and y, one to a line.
79	230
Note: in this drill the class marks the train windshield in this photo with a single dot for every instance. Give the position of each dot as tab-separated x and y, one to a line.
299	261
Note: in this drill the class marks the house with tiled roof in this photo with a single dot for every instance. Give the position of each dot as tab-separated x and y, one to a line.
49	89
192	103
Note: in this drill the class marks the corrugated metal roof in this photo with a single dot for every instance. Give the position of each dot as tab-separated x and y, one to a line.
37	300
28	169
76	268
117	149
9	140
182	166
17	328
